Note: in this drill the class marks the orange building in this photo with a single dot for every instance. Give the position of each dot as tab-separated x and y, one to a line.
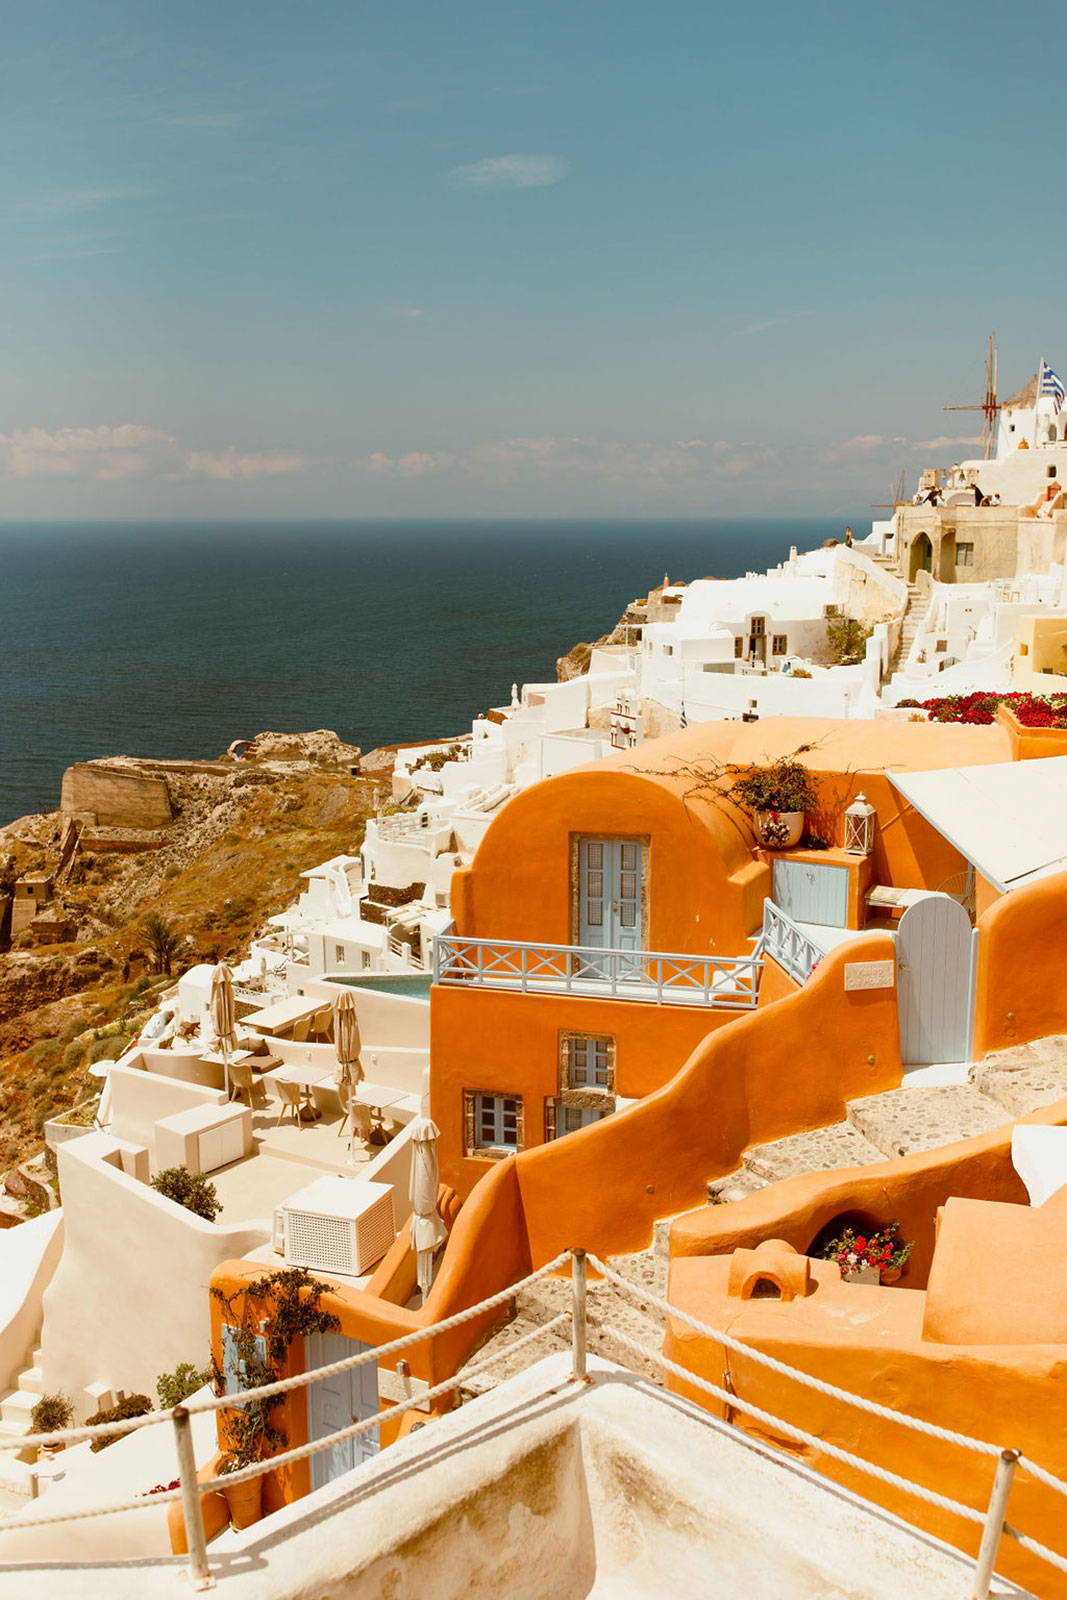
614	975
608	922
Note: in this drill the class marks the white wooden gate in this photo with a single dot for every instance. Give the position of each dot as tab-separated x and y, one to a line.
936	950
337	1402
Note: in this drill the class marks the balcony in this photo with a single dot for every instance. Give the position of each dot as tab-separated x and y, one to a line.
725	982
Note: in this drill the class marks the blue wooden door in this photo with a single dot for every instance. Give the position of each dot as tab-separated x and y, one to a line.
610	894
811	891
337	1402
935	981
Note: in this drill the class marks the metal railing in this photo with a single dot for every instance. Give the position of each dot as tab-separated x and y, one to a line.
191	1489
729	982
787	942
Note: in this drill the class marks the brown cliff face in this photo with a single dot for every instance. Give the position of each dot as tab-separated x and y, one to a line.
240	833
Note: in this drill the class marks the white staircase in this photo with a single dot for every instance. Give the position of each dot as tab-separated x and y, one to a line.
17	1404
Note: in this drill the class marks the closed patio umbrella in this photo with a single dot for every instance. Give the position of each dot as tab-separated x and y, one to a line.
346	1039
223	1011
427	1229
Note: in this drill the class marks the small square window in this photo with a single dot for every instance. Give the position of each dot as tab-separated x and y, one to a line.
739	649
965	555
494	1123
561	1119
339	954
364	958
758	626
587	1061
780	644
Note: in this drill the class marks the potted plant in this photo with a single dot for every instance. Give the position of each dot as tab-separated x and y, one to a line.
51	1414
778	796
877	1257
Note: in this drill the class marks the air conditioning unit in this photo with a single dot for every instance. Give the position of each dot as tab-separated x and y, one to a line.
336	1225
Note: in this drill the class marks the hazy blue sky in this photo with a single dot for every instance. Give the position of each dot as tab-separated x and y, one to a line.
380	257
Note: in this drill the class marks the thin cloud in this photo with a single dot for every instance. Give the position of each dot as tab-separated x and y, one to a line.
942	442
771	322
510	172
522	459
233	466
71	202
106	454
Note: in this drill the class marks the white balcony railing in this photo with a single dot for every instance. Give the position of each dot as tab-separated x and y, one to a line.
790	946
722	981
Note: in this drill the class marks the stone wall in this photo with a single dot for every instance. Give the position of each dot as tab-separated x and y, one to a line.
115	797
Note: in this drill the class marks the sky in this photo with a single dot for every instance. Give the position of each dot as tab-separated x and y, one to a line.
348	258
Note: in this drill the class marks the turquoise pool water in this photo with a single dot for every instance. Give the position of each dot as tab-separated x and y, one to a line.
416	987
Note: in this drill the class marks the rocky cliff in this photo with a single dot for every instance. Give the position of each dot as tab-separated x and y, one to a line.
212	847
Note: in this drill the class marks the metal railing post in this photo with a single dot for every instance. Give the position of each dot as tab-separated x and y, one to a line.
199	1571
994	1523
578	1329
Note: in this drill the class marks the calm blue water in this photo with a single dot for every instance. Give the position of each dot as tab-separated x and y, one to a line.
172	640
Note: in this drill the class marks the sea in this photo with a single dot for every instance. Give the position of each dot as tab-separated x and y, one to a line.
168	639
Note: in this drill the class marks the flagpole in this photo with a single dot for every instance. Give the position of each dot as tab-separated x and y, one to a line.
1037	397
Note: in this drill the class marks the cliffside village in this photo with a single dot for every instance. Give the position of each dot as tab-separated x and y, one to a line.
643	1154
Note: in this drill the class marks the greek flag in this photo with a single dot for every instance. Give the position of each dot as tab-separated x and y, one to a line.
685	719
1052	385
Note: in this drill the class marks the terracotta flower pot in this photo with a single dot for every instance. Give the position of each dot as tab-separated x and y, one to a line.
791	821
244	1501
891	1274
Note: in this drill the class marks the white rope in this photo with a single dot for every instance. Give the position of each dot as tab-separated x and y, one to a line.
1042	1551
231	1402
1047	1478
834	1451
906	1421
299	1453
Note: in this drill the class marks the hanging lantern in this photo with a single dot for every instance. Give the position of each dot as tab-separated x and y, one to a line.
859	827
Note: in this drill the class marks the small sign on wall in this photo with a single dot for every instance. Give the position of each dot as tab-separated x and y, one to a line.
869	974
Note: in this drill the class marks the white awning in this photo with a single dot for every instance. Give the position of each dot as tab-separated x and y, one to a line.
281	1012
1009	820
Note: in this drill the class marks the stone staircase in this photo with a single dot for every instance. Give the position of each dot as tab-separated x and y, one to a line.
536	1306
1007	1084
898	1122
913	615
17	1404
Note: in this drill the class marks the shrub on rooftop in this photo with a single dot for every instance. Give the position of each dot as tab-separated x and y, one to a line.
51	1413
189	1189
134	1405
784	785
174	1387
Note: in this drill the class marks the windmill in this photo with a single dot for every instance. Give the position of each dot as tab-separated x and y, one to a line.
990	406
896	494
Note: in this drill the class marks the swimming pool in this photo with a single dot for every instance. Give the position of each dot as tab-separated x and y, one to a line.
413	987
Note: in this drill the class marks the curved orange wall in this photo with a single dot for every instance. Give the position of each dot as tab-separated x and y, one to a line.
866	1340
1021	993
779	1070
907	1190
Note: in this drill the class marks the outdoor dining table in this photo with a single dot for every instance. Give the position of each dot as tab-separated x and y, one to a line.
309	1075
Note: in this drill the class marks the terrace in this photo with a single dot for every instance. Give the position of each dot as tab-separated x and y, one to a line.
728	982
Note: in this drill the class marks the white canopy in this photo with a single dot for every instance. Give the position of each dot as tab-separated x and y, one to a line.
1008	819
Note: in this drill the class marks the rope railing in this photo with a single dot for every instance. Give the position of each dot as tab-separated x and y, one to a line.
992	1521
